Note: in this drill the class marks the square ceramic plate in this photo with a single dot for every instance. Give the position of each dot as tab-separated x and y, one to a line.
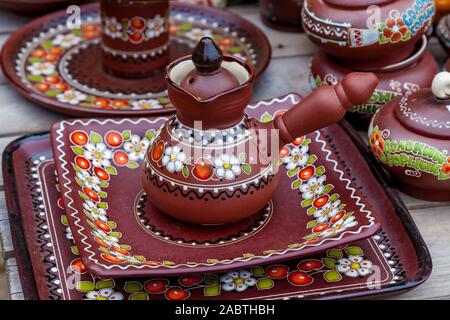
48	259
120	234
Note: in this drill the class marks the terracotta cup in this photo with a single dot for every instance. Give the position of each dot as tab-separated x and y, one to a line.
135	36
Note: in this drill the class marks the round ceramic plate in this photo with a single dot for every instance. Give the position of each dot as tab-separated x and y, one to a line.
60	68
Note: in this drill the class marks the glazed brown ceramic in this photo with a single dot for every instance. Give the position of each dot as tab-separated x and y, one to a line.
284	15
410	137
135	36
367	33
121	233
43	245
410	75
34	7
212	146
443	32
442	8
80	86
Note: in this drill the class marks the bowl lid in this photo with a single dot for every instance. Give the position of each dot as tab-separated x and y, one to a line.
427	112
357	3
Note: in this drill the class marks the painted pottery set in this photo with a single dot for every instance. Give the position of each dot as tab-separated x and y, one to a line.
384	36
223	172
284	15
410	137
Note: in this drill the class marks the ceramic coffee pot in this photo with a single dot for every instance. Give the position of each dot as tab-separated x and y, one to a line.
284	15
411	138
210	163
135	37
367	33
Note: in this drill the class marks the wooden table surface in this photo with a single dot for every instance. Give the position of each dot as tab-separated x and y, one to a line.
288	72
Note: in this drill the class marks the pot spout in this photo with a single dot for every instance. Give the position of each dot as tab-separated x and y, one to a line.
325	106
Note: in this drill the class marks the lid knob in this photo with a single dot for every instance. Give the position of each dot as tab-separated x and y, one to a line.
441	85
207	56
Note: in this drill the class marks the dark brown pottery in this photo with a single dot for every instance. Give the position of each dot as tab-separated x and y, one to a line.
61	69
443	32
225	162
410	75
367	33
410	137
135	37
120	233
284	15
44	248
34	7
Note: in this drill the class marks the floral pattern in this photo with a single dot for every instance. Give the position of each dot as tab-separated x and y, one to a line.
104	294
41	70
227	166
237	280
377	142
174	159
354	266
297	157
394	30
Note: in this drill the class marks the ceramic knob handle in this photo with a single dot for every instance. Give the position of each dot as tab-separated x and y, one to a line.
441	85
325	106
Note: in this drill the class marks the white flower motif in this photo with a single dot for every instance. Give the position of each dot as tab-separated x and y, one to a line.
136	147
69	234
41	68
127	258
146	104
174	159
329	210
339	226
237	280
92	182
99	155
227	166
109	240
196	34
94	211
296	158
66	40
313	187
104	294
156	26
113	28
354	266
71	97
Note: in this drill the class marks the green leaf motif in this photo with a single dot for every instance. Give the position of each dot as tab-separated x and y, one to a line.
85	286
292	172
211	279
112	225
35	59
115	234
332	276
185	171
258	271
35	78
266	117
138	296
311	211
75	250
104	184
132	165
125	246
83	196
334	253
111	170
185	27
133	287
94	137
311	159
329	263
64	220
102	194
354	251
79	181
47	45
106	284
126	134
212	290
311	224
52	93
296	184
320	170
247	168
102	205
150	134
140	258
307	202
334	197
264	284
328	188
78	150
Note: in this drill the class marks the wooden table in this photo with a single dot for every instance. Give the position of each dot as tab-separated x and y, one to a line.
288	71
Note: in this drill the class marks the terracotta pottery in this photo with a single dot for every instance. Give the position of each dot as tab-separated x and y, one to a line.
367	33
214	152
410	137
135	36
284	15
442	7
291	224
61	69
33	7
443	32
43	241
410	75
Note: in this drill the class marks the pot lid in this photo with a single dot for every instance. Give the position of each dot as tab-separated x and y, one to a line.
357	3
427	112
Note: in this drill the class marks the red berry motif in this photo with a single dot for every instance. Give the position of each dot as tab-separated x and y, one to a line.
310	265
136	37
284	152
189	281
156	286
102	226
138	23
121	158
79	138
446	168
158	151
101	102
321	201
299	278
111	258
91	194
306	173
82	162
101	174
121	251
77	266
114	139
177	293
297	142
277	272
320	227
337	217
203	170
